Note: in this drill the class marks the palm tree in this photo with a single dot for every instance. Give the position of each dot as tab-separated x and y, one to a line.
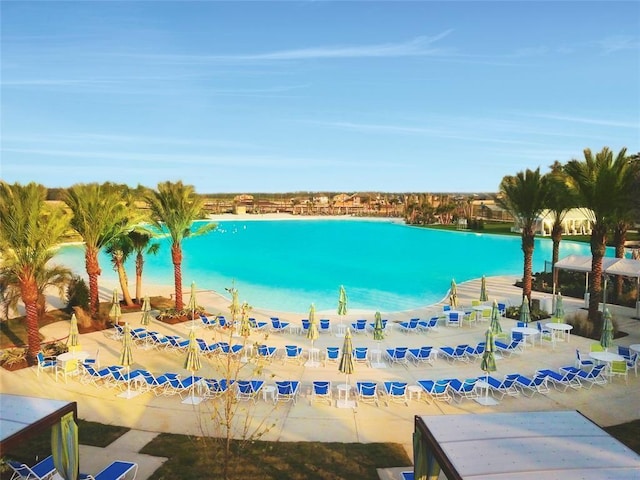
559	201
140	239
29	232
119	248
525	197
99	215
603	184
175	207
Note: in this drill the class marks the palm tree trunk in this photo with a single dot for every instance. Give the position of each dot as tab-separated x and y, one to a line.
527	250
619	239
29	294
139	267
93	270
598	246
176	257
556	236
124	284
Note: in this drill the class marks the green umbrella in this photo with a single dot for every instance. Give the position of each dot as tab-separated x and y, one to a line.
559	310
606	339
126	359
525	313
115	311
488	363
64	447
312	334
453	294
484	296
342	304
193	303
193	364
346	364
495	326
234	307
378	328
146	311
245	328
74	336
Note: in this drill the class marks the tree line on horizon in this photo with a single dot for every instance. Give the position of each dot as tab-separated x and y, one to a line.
124	221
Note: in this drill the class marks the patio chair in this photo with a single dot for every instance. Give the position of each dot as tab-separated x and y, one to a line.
278	326
248	389
215	388
359	326
286	391
67	369
632	362
408	475
43	470
118	332
139	336
596	347
464	389
292	353
546	335
588	379
426	325
457	353
409	327
332	354
619	368
95	360
421	355
120	379
367	392
477	351
180	386
502	309
46	363
398	355
325	325
563	380
117	470
396	392
253	323
501	387
531	386
266	352
320	389
157	340
515	346
361	355
437	390
304	326
147	381
453	319
222	322
208	322
624	351
583	362
177	343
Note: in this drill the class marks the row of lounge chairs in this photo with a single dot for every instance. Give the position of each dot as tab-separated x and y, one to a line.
45	470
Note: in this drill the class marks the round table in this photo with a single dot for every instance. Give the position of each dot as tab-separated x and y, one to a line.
565	328
65	357
635	347
606	356
526	333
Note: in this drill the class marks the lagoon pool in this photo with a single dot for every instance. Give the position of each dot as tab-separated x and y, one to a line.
286	265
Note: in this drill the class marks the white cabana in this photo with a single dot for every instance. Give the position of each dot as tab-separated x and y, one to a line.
519	446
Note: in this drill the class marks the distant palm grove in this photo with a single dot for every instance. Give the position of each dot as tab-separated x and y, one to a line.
123	222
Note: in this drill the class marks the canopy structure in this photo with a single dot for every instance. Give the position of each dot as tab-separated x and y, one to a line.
22	417
520	446
625	267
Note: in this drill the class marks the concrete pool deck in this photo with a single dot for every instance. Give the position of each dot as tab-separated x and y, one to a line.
148	414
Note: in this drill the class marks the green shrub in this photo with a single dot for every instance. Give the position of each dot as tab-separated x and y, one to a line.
77	294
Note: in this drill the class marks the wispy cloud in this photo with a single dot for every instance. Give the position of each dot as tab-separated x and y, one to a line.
618	43
586	120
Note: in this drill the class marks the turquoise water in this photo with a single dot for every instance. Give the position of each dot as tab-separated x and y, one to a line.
287	265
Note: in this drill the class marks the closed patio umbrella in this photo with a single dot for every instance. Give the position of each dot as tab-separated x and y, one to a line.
312	334
342	308
193	364
64	447
558	312
346	367
525	313
74	336
115	311
378	336
146	311
495	326
484	295
453	294
606	339
193	304
234	307
126	360
245	330
487	365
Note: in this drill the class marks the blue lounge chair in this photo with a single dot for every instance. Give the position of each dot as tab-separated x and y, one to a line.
588	379
156	340
372	325
46	363
248	389
426	325
208	322
97	377
502	387
437	390
320	389
457	353
332	354
421	355
475	352
583	362
361	355
292	353
177	342
42	470
464	389
286	391
179	386
397	355
253	323
304	326
453	319
222	321
515	346
396	392
531	386
225	349
367	392
266	352
410	326
325	325
563	379
117	470
216	388
359	326
278	326
147	381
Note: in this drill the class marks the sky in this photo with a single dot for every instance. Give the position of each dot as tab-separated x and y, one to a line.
268	96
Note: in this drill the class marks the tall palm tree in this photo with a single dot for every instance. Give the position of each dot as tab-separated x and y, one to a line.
560	201
99	215
141	242
175	207
29	233
603	183
120	248
525	196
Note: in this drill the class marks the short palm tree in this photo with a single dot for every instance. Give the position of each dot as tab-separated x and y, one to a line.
141	242
99	215
603	184
525	197
560	201
175	207
119	249
29	233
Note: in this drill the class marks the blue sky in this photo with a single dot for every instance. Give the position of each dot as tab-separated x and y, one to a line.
295	96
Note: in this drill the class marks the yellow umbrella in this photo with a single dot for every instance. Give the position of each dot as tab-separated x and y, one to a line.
346	366
453	294
126	360
74	336
312	334
115	311
193	364
146	311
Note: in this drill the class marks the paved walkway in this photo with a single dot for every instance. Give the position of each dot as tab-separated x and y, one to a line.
147	414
